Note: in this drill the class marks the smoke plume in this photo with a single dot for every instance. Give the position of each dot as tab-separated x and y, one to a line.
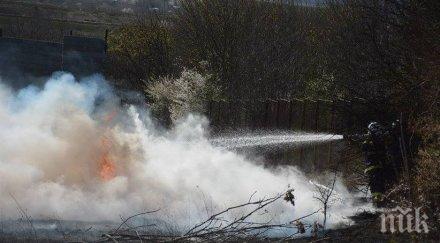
70	151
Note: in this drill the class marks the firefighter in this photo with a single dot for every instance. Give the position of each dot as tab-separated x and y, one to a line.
376	147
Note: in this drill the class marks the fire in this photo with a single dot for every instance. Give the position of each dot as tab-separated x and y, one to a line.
107	167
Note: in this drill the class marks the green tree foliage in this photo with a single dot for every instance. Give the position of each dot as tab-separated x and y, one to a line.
141	52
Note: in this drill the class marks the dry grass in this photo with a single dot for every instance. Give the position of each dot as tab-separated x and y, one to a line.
427	178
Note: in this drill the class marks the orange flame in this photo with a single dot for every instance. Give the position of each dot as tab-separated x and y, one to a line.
107	167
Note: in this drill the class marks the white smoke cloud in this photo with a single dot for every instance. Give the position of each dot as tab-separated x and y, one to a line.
53	140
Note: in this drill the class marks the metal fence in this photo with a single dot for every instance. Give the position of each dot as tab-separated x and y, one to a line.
295	114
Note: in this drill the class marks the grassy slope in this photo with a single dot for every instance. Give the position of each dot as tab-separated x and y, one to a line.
91	22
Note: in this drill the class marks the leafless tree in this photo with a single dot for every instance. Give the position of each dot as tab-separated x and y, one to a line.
325	195
255	47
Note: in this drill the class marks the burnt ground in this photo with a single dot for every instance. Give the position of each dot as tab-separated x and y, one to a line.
367	230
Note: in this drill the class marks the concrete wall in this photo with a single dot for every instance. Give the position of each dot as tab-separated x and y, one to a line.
25	57
22	59
83	56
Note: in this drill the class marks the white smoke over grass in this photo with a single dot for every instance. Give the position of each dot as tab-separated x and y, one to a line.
52	146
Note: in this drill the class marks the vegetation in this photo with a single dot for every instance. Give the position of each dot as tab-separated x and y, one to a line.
427	180
180	96
381	56
254	47
50	20
141	52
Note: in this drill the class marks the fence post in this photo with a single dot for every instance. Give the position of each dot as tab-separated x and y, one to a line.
330	152
316	163
215	117
233	109
332	118
317	116
210	110
301	156
291	105
303	115
106	39
106	35
267	115
277	119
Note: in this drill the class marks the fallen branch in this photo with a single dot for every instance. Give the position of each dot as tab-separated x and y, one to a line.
134	216
218	228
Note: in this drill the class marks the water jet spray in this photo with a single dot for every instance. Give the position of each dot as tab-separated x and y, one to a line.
270	139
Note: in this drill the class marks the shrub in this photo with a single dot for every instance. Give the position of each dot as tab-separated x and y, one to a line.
139	53
428	169
177	97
